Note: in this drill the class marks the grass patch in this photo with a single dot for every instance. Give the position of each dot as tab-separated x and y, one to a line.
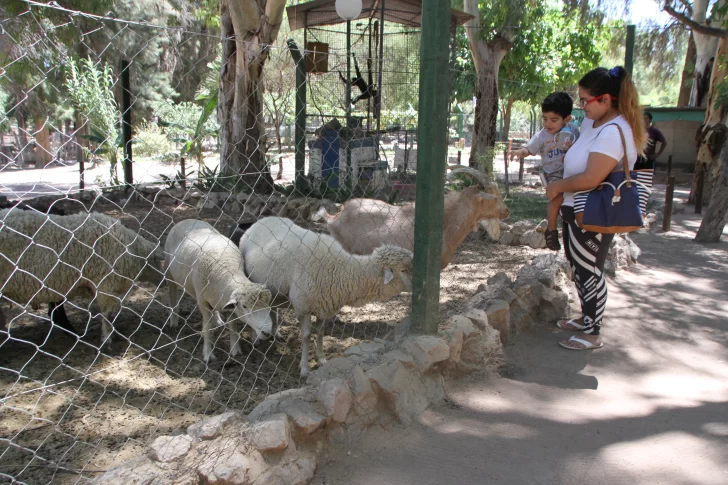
526	205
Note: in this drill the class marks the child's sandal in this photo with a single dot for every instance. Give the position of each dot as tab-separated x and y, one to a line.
552	240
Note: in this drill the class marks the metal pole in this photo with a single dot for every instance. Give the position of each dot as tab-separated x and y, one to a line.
699	190
669	165
347	138
300	132
183	175
80	151
378	97
126	122
667	212
629	52
431	157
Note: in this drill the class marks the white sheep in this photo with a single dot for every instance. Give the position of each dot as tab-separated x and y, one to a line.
317	276
46	258
210	268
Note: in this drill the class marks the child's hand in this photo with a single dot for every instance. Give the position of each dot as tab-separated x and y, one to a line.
520	153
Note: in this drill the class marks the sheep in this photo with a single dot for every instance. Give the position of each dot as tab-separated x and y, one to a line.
47	258
365	224
316	276
236	231
210	268
56	312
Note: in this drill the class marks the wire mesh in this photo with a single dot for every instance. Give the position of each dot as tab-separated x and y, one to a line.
92	367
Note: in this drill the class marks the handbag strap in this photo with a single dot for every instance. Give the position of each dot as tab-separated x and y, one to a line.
625	162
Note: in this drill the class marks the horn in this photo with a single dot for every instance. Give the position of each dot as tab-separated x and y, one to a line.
481	177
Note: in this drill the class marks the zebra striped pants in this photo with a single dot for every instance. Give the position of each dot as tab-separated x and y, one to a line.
587	252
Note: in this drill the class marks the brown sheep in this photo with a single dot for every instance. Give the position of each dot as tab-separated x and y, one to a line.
363	225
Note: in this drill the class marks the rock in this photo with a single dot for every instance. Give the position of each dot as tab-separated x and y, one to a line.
272	434
490	292
500	279
336	398
521	227
398	355
548	269
427	350
229	467
364	398
542	226
365	350
402	390
528	292
623	254
138	471
536	240
492	228
477	317
499	317
210	428
297	469
553	306
169	448
508	239
336	367
521	317
303	415
504	227
453	336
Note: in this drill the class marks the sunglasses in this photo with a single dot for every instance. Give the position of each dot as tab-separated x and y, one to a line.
584	102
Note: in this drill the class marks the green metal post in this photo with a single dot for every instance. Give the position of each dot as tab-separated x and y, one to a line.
347	95
300	133
431	159
629	52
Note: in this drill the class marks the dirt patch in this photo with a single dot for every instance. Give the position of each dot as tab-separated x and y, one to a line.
71	408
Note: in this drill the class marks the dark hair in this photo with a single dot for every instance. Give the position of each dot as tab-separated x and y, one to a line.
559	103
617	83
649	115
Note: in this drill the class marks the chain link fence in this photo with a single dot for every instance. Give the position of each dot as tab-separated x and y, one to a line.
92	365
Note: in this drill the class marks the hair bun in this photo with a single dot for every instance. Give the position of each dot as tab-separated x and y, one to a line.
614	72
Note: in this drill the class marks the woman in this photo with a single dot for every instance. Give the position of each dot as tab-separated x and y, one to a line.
608	97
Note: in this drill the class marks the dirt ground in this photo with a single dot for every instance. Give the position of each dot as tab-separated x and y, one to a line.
650	407
68	404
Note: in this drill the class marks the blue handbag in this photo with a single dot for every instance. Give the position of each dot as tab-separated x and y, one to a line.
618	204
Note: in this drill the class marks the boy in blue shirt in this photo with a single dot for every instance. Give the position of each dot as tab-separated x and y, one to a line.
551	143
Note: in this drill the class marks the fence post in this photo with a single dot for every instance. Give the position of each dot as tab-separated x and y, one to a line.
80	152
126	122
431	158
667	211
699	190
506	151
629	51
669	165
183	175
520	169
300	131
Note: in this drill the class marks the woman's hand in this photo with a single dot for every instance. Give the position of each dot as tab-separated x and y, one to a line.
553	190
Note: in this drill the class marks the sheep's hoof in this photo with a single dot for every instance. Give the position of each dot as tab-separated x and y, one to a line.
235	350
321	361
305	372
210	357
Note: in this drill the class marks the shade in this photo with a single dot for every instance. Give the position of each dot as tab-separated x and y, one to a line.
404	12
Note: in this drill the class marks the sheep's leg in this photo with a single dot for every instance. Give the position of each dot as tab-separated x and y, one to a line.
305	321
208	315
320	341
110	307
234	335
173	291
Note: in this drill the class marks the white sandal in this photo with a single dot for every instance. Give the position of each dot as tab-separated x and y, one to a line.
574	325
587	345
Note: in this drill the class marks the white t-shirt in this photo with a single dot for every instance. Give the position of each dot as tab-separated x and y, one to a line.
604	139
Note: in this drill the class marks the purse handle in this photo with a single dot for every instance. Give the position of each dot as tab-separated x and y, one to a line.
624	160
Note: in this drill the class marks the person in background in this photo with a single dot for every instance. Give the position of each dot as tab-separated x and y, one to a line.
654	136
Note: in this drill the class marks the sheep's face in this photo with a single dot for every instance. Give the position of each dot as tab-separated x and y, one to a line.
396	264
255	310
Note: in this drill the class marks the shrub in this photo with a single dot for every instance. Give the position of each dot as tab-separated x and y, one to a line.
150	141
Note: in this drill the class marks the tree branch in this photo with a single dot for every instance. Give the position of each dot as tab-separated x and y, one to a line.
688	7
695	26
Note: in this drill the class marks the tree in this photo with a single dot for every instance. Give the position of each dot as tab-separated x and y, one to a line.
710	164
248	28
491	34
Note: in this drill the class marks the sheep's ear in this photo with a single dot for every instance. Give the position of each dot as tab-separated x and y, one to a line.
230	306
388	276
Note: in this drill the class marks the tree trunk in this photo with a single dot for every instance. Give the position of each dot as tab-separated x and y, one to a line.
482	150
248	28
716	216
487	57
23	151
507	119
705	46
43	154
712	134
686	83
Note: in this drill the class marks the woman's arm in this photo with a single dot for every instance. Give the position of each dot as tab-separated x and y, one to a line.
598	167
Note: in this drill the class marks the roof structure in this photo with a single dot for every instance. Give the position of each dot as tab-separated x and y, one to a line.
323	12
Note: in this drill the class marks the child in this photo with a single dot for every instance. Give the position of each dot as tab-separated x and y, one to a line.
551	143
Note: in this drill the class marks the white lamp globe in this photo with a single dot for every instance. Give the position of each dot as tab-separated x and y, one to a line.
348	9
